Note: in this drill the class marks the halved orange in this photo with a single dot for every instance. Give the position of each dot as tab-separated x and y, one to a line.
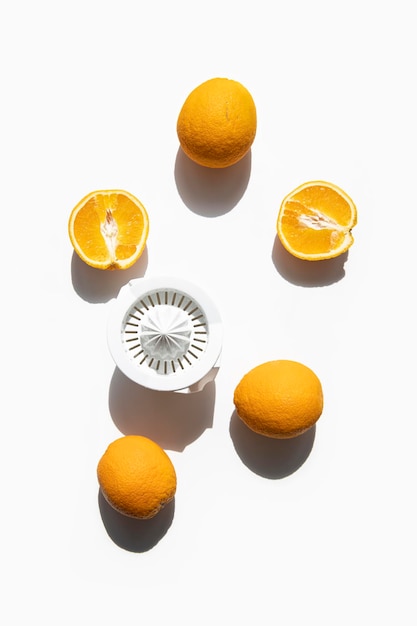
315	221
108	229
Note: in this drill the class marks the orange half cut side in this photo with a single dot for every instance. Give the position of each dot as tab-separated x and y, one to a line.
315	221
108	229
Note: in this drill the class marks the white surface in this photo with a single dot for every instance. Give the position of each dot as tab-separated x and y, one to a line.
321	531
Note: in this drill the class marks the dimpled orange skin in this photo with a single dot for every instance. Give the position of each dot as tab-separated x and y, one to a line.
136	476
279	399
217	123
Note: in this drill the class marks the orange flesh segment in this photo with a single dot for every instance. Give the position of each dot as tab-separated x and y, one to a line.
109	228
316	222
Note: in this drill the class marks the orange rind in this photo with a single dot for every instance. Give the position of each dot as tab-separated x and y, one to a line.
280	399
136	476
217	123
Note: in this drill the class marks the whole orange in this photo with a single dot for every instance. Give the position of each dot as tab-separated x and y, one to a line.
217	123
136	476
280	399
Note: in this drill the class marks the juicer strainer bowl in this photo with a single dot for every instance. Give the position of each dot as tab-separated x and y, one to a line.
165	333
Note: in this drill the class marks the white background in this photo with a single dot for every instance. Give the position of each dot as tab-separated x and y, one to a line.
315	531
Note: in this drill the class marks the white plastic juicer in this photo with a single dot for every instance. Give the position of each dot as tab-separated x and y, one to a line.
165	334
